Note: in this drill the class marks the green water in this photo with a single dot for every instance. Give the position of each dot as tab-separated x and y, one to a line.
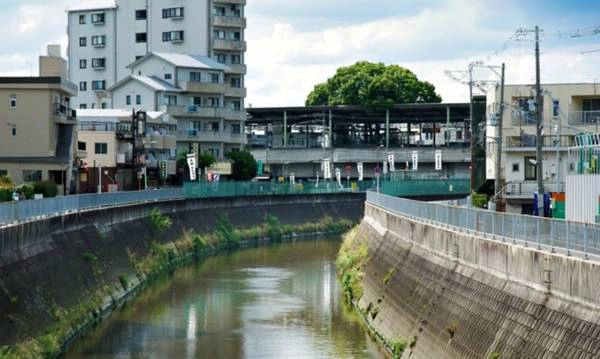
282	301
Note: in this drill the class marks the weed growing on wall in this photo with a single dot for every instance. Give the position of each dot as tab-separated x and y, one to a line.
159	222
398	346
350	263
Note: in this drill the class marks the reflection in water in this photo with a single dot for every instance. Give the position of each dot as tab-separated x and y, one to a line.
272	302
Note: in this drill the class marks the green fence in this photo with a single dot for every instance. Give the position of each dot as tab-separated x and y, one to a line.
395	188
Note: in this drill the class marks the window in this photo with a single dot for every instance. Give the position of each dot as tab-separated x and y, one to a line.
236	59
13	101
138	57
98	63
100	148
128	100
172	36
141	37
235	11
214	78
174	13
83	106
219	34
458	135
555	108
168	76
83	86
81	145
98	19
141	14
32	175
138	99
211	102
171	100
236	82
99	41
236	35
221	58
236	105
99	85
235	128
103	105
530	169
83	64
82	20
214	126
515	167
219	11
3	172
14	131
83	41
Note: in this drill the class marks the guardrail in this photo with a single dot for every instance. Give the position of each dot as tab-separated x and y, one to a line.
35	209
234	189
542	233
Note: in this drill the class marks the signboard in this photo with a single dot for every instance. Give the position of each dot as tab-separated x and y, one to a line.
391	161
259	168
438	160
162	165
415	160
359	168
192	164
385	167
221	168
293	178
327	169
348	169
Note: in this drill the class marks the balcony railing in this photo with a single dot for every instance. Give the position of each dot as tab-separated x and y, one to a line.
530	141
229	45
590	118
195	111
63	113
237	2
527	188
161	142
235	91
523	118
204	87
211	136
229	21
237	69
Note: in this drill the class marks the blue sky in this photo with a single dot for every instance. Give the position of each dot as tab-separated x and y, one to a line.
293	44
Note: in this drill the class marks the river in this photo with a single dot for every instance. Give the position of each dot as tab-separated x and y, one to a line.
280	301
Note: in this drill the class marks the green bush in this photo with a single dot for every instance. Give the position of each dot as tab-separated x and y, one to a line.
124	281
48	188
5	195
89	257
26	190
398	347
479	200
274	229
159	222
226	233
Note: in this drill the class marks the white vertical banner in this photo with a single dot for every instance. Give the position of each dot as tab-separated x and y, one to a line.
385	167
415	160
326	169
392	162
438	160
338	176
360	170
191	160
293	178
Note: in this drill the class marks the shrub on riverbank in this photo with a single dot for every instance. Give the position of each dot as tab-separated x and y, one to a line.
350	263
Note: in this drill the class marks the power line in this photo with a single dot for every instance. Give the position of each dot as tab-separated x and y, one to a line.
586	32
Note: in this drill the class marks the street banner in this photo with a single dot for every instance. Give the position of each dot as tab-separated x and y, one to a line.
327	169
338	176
392	162
415	160
438	160
359	168
385	167
191	160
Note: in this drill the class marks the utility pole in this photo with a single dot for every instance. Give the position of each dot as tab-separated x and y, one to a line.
471	122
539	123
497	185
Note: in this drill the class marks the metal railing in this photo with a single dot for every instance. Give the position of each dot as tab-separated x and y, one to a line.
527	188
35	209
590	118
236	189
542	233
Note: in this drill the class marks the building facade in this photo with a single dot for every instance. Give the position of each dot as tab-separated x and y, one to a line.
38	125
568	110
106	36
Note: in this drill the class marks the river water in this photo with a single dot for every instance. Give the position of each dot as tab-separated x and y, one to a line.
280	301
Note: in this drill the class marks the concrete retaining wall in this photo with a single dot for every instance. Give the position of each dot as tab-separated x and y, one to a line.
458	295
43	267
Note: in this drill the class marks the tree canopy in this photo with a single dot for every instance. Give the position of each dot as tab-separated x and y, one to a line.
372	85
244	166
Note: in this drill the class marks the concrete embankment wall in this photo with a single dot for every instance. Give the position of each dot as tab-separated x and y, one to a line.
43	265
455	295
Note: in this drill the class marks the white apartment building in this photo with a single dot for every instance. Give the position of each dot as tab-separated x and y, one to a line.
568	110
201	94
105	36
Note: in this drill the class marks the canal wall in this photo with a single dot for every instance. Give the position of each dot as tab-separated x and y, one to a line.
448	294
48	268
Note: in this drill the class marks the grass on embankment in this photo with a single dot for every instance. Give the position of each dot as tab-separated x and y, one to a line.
162	258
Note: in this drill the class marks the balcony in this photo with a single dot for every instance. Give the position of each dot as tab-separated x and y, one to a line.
237	69
236	2
584	118
525	189
160	142
124	158
523	118
529	142
229	45
235	92
230	114
195	111
229	21
211	136
204	87
64	115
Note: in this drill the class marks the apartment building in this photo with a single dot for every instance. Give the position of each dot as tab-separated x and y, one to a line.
200	93
568	110
106	150
105	36
38	125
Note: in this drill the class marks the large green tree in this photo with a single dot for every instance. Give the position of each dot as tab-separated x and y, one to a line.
244	166
372	85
